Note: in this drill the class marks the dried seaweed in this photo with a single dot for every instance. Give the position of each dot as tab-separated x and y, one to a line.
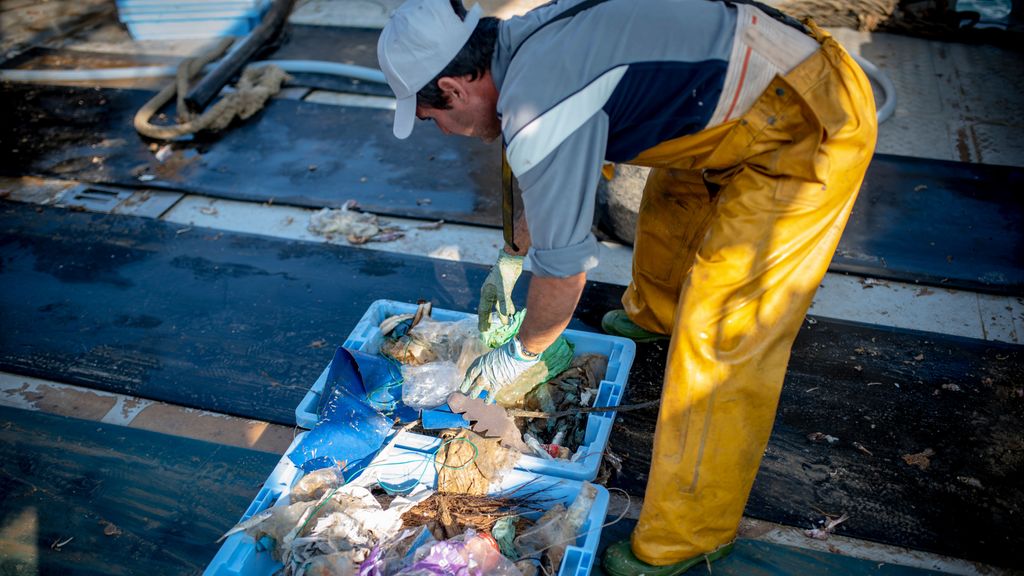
469	464
454	513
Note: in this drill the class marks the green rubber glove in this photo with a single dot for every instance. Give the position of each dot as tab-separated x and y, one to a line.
496	293
497	369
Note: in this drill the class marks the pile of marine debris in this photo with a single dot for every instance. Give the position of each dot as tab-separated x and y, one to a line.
330	525
347	519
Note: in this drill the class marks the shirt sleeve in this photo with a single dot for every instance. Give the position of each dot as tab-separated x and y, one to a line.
559	194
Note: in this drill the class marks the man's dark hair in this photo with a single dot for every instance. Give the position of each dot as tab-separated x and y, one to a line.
474	59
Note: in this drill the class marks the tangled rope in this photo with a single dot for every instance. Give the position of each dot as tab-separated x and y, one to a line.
255	87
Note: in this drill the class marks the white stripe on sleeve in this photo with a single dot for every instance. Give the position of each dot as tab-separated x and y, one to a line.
541	136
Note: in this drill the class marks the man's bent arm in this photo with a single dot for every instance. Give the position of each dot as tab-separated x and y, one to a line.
550	304
551	301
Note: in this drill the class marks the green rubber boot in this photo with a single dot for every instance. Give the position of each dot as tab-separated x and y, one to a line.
617	323
619	560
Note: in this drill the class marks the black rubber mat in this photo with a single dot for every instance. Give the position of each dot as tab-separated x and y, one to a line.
244	324
292	152
933	222
948	224
944	224
82	497
143	307
343	44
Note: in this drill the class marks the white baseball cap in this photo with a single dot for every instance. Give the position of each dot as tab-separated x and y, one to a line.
419	40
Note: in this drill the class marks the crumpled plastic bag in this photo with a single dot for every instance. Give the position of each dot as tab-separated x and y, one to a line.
376	380
350	431
350	520
444	558
504	533
337	564
272	525
435	341
357	227
396	553
469	554
435	357
350	438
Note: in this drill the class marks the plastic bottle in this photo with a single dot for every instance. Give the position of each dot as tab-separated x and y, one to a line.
580	508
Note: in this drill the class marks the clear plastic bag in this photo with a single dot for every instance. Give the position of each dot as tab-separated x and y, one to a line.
429	385
548	537
314	485
451	347
277	524
433	341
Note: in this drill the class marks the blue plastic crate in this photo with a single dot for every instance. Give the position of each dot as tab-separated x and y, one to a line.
238	555
366	336
160	20
129	8
183	29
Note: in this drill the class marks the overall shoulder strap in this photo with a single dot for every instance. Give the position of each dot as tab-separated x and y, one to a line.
587	4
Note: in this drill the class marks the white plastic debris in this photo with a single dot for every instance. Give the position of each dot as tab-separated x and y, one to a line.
344	222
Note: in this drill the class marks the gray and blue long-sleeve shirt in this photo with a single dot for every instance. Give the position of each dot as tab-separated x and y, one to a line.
612	81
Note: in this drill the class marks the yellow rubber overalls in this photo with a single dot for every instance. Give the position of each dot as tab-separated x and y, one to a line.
736	228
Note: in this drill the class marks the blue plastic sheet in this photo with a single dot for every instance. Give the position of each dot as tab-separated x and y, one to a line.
374	378
350	433
361	392
443	417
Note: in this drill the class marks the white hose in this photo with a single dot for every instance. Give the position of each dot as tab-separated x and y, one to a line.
332	68
883	80
295	66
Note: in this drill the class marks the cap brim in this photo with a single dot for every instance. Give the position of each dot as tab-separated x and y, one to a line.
405	116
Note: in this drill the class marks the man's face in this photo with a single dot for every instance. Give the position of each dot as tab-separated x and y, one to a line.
473	109
462	122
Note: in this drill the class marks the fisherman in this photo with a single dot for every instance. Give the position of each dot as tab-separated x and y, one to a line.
758	130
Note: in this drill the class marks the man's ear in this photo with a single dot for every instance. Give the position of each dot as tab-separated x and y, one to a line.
452	88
